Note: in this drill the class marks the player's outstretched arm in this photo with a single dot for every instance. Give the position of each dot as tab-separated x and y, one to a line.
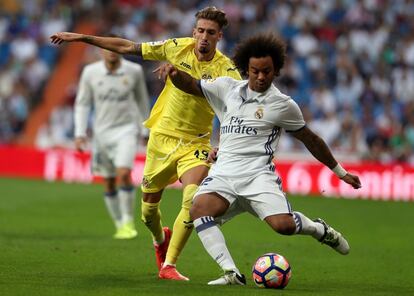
116	44
180	79
318	148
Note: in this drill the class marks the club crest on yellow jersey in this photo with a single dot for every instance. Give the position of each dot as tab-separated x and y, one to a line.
145	182
157	43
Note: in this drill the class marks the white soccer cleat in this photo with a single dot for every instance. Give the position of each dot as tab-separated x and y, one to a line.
229	278
333	238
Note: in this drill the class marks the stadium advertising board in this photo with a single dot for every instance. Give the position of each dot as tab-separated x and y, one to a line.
382	182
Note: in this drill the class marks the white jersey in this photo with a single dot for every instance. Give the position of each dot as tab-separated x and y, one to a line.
120	100
251	124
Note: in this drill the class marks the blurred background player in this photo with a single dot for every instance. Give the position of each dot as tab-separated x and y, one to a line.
180	126
253	113
116	90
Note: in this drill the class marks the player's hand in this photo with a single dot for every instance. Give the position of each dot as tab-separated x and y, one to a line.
164	70
352	180
80	143
60	37
212	155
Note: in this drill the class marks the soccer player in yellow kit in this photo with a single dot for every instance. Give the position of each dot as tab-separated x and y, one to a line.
180	128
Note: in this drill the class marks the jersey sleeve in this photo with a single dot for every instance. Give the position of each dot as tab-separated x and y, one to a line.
291	117
231	71
83	104
158	50
215	91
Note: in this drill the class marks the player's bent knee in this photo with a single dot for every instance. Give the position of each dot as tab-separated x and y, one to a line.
199	210
153	197
286	229
283	223
124	176
195	212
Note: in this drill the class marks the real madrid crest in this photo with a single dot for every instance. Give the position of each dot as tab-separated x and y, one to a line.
259	113
125	81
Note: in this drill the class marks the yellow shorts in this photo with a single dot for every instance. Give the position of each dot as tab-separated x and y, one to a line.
168	158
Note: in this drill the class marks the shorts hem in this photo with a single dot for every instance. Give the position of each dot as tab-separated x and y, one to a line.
193	166
278	213
144	190
103	175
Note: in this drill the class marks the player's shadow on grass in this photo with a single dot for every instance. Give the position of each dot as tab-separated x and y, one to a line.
131	283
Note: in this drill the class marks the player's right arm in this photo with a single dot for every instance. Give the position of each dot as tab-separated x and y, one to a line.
116	44
83	103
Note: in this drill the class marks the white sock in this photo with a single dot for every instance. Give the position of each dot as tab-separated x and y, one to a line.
168	263
306	226
214	242
112	204
126	196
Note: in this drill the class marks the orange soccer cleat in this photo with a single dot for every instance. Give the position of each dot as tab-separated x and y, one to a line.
161	250
169	272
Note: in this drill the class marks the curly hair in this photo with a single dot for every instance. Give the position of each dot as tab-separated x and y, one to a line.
213	14
259	46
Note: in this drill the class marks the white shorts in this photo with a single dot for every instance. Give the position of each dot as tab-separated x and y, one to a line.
107	156
261	195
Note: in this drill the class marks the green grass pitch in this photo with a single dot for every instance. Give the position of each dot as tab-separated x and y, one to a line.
55	239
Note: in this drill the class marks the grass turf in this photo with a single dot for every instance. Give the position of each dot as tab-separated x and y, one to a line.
55	239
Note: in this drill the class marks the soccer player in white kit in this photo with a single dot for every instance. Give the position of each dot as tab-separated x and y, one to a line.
252	113
117	91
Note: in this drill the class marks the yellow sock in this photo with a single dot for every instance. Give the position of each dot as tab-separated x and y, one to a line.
182	226
151	216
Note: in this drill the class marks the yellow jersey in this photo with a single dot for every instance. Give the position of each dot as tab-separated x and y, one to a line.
178	113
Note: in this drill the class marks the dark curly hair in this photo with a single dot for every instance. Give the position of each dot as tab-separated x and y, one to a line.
213	14
259	46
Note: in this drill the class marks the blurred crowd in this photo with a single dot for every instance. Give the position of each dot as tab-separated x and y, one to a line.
26	58
350	63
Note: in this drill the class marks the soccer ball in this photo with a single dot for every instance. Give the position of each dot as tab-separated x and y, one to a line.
271	270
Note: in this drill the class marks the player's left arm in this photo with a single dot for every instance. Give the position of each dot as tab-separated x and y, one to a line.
320	150
180	79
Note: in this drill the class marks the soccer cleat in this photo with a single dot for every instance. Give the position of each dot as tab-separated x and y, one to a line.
333	238
130	227
126	231
161	250
229	278
169	272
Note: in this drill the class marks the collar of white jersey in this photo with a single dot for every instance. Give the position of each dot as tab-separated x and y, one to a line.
119	71
260	97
